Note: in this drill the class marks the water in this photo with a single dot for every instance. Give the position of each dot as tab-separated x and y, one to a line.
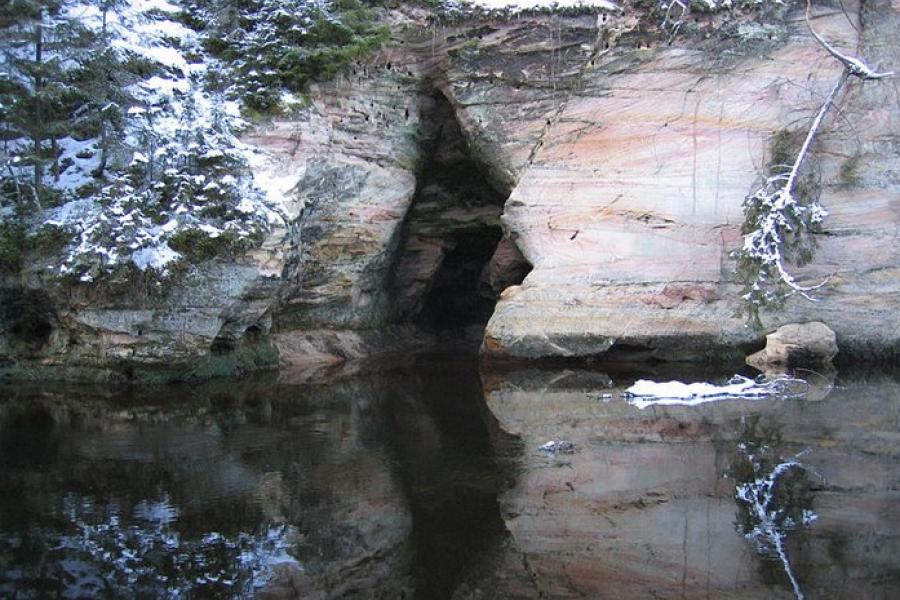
429	482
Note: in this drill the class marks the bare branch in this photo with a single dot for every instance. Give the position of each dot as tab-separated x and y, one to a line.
813	130
855	66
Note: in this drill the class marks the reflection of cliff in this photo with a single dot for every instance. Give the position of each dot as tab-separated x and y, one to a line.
233	465
646	506
442	439
373	487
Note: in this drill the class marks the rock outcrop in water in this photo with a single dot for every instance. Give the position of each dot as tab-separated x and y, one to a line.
796	345
592	156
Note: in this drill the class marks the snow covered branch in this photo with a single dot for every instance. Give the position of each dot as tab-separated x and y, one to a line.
854	66
774	213
778	217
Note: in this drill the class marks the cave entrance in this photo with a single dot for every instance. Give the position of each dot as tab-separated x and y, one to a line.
27	317
453	261
458	296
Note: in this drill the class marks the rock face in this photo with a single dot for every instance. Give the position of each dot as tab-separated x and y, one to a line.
582	151
796	345
629	203
213	322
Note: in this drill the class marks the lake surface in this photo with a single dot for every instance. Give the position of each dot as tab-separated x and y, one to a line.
429	482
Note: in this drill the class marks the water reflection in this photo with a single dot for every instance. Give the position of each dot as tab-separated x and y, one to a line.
432	483
774	498
657	503
368	487
108	550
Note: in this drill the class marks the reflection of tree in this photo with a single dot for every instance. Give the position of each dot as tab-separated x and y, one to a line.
773	498
102	550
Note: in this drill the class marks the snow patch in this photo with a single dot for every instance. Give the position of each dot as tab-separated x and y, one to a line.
155	257
558	447
646	393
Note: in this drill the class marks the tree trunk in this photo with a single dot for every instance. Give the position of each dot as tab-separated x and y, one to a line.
38	137
103	149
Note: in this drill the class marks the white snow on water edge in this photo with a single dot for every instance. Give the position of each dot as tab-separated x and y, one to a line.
646	393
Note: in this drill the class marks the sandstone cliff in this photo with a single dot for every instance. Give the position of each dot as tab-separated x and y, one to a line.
609	156
628	204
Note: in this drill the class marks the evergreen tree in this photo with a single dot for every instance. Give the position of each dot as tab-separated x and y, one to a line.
272	45
103	79
40	52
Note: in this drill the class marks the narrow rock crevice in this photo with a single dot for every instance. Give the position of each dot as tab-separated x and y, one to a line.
453	260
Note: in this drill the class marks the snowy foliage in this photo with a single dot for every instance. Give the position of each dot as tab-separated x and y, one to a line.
267	46
167	162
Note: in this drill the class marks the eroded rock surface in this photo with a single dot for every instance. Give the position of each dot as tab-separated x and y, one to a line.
634	182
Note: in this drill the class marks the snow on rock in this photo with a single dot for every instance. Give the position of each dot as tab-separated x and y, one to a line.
646	393
606	5
211	231
156	257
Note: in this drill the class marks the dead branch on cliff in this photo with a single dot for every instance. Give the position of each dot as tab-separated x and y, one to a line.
774	214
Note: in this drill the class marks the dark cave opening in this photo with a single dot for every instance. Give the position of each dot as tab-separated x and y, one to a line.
458	296
453	261
228	340
27	316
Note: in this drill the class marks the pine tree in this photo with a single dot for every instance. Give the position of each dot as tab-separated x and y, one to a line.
103	79
39	49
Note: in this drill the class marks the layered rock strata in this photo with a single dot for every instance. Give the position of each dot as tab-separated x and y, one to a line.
629	202
620	156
